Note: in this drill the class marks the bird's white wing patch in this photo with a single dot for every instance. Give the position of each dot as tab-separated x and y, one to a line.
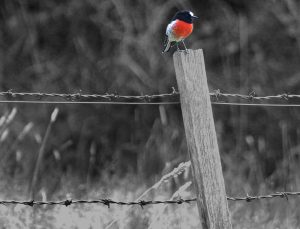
169	31
169	28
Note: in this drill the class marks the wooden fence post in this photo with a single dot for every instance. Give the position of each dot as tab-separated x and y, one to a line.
202	140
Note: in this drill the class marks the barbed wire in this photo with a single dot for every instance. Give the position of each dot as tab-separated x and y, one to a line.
252	96
290	100
142	203
106	202
79	95
249	198
89	102
107	98
166	98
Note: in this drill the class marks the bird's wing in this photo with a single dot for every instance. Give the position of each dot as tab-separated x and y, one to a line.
168	39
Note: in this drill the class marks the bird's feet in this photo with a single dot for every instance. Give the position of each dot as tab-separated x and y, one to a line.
185	49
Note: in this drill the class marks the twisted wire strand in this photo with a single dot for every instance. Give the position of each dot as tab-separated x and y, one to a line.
165	98
249	198
79	96
142	203
106	202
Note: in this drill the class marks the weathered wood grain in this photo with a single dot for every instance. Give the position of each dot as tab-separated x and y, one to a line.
201	139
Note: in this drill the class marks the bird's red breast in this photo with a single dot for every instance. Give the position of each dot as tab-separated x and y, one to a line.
182	29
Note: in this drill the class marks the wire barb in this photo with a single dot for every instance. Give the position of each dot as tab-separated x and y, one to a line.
68	202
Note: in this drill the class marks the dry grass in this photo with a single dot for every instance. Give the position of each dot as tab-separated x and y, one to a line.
264	214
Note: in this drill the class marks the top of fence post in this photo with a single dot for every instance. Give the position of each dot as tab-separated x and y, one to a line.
201	139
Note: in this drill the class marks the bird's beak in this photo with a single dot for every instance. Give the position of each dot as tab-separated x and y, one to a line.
195	17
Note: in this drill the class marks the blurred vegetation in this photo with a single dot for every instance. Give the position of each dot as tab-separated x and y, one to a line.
115	46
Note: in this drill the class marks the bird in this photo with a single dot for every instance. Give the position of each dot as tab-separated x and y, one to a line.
178	29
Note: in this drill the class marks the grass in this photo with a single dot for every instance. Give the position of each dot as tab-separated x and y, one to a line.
272	213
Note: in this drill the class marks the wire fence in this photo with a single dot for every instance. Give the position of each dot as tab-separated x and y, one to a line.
217	97
155	99
142	203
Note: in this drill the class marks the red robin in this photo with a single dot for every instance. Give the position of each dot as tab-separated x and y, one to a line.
180	28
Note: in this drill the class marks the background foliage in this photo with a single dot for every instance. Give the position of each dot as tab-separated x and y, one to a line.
115	46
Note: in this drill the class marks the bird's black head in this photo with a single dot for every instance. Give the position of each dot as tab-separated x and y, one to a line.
186	16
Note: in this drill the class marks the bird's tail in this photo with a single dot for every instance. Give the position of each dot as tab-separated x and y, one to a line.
167	45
